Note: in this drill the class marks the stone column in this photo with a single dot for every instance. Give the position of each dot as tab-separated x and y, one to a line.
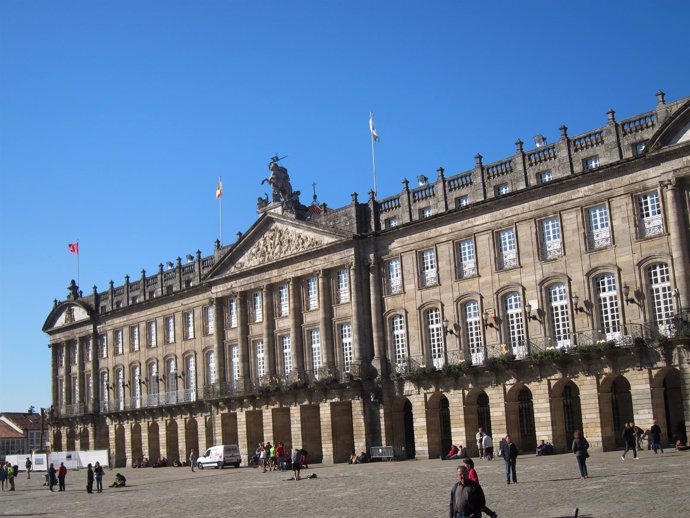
182	438
219	339
376	317
112	425
679	245
457	418
243	383
268	328
54	370
163	437
201	434
356	298
359	431
296	328
296	426
247	452
145	439
326	432
67	371
81	388
325	320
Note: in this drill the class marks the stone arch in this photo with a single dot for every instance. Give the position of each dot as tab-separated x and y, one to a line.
403	438
191	437
57	440
566	413
667	405
172	449
84	439
154	442
137	445
438	430
71	440
616	409
520	417
477	413
120	447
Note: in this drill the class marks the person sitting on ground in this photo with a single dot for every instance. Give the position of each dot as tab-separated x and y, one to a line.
452	453
363	458
120	481
542	449
681	447
353	458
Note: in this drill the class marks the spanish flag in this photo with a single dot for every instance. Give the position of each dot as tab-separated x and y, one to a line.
219	189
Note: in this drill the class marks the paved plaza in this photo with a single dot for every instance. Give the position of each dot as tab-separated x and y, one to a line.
548	487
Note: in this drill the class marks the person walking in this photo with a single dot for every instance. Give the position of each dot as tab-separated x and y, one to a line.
655	437
98	471
89	479
62	473
466	497
3	475
509	452
28	465
296	463
52	478
474	477
480	442
488	445
193	457
580	447
630	440
10	476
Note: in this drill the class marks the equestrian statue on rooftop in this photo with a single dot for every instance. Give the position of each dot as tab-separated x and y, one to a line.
280	182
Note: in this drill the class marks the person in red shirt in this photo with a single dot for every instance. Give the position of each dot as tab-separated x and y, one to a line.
280	456
62	473
474	477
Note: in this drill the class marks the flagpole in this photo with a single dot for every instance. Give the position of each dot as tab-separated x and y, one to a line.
373	156
78	284
220	209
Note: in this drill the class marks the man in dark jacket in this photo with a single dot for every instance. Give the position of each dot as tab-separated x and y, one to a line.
655	435
509	452
630	441
466	498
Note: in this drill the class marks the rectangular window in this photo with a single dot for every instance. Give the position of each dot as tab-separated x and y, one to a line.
462	201
467	261
650	221
502	189
315	343
551	242
188	319
659	282
169	330
515	324
285	346
88	385
394	276
399	342
607	305
209	314
544	177
104	346
232	311
312	293
428	271
74	353
134	337
639	148
151	333
598	227
283	300
211	375
88	346
391	222
346	346
425	212
473	332
234	351
507	249
257	306
560	315
343	293
117	338
260	359
435	337
591	162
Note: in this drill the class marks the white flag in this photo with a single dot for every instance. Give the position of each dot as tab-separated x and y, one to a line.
372	128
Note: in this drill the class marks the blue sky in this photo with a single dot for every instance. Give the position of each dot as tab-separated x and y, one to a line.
118	117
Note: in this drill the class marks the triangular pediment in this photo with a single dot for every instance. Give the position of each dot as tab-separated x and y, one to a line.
66	314
273	239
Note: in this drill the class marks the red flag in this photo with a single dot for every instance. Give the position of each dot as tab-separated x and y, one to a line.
73	247
219	189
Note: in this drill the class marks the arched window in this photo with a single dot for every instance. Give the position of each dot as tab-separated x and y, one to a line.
434	333
515	323
153	384
135	379
526	412
484	413
120	388
608	312
210	374
398	333
473	332
104	387
559	315
661	297
171	379
190	377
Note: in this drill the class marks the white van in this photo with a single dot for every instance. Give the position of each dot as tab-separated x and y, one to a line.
221	456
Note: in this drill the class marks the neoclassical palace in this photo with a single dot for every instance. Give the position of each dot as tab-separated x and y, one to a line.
536	295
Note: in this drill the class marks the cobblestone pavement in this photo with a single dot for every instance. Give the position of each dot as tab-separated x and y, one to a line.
548	487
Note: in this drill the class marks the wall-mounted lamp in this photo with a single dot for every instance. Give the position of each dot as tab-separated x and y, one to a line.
485	319
127	384
626	293
455	330
576	304
530	316
180	376
142	382
676	294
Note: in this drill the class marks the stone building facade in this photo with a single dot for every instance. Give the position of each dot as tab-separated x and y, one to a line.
535	295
